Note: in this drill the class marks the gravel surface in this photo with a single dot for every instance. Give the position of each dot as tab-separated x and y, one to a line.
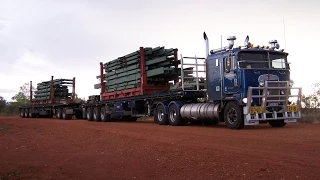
78	149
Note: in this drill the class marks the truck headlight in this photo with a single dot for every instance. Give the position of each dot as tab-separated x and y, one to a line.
245	100
261	83
291	83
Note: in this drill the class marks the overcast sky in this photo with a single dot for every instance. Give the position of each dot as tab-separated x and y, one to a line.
68	38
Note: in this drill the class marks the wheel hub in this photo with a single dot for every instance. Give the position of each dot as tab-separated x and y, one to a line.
173	115
232	115
160	115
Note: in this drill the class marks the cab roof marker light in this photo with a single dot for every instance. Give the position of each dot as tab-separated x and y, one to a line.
274	44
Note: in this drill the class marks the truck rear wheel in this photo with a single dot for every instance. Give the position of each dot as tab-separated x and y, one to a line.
104	116
233	115
59	113
96	114
89	114
65	115
22	113
160	117
26	113
174	116
277	123
30	114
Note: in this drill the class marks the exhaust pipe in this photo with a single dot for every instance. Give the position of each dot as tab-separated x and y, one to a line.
207	43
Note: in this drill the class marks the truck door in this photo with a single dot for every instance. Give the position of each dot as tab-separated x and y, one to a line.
230	78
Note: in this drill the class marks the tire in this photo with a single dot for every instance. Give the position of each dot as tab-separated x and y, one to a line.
174	116
277	123
233	115
26	113
59	113
103	116
160	117
22	113
30	114
89	114
66	116
96	114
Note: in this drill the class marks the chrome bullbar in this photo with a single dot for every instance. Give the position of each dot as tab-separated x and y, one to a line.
273	103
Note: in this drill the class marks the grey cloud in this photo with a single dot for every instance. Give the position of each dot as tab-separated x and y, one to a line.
7	91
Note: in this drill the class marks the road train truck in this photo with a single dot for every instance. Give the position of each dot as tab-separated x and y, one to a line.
240	86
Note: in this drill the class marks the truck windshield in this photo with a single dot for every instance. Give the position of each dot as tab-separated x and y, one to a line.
262	60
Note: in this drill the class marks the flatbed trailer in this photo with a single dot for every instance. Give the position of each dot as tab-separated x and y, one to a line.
62	108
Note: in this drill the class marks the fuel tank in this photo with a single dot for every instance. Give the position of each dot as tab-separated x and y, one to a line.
200	111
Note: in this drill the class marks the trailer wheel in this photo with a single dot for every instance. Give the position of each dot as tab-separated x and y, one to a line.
96	114
233	116
65	115
26	113
160	116
30	114
89	114
22	113
174	116
277	123
59	113
104	116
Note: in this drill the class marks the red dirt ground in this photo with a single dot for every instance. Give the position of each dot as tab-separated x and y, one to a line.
78	149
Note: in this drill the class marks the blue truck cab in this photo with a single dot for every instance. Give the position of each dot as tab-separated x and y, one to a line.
253	81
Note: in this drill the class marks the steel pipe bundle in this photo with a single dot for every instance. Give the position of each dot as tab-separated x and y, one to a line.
60	89
124	72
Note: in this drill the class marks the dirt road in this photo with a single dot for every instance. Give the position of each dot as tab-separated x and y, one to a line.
78	149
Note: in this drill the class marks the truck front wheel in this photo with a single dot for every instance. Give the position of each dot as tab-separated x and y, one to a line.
233	115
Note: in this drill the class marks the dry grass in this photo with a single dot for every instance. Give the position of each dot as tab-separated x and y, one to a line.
310	117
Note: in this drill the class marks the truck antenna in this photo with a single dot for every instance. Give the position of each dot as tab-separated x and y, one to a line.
221	41
284	34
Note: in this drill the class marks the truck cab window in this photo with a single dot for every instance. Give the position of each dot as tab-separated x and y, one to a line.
262	60
278	61
227	64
